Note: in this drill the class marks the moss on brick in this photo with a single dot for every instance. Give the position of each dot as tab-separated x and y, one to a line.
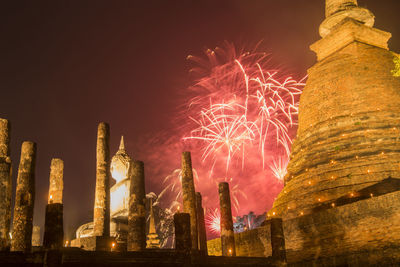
396	70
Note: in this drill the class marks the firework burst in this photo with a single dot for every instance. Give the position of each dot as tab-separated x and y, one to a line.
242	105
213	221
278	168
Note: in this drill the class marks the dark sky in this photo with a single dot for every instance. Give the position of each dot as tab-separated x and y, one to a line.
67	65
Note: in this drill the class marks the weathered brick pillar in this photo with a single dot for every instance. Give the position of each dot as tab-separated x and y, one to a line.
183	241
5	184
36	236
227	234
277	240
201	226
189	196
101	217
54	227
24	200
56	181
137	210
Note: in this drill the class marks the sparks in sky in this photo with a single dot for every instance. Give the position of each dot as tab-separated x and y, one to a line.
213	221
279	168
239	121
242	105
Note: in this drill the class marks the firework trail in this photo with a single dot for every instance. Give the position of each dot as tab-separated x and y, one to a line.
279	168
242	105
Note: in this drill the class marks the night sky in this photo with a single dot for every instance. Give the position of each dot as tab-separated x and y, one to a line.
68	65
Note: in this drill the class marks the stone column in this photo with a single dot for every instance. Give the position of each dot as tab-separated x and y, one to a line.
189	196
56	181
5	184
227	234
101	217
137	211
201	226
183	241
24	200
54	227
333	6
36	236
277	240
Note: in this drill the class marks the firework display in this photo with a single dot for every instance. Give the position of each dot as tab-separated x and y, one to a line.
242	117
239	121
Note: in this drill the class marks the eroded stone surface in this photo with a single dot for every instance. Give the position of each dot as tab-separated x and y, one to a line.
201	227
137	210
227	234
189	196
183	240
5	184
36	236
56	181
101	217
24	200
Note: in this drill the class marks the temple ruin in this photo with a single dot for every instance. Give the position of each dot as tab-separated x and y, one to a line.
339	205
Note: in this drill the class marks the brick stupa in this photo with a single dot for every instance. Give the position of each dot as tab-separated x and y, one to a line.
341	190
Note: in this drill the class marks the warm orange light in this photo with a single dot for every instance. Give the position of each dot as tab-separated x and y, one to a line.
230	252
371	195
66	243
51	196
352	194
113	244
333	205
302	213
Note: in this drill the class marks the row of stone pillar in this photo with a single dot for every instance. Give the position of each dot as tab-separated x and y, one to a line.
21	237
190	232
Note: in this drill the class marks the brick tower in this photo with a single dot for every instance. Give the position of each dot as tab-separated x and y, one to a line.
344	170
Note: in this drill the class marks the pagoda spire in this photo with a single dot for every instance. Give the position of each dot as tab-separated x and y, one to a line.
122	144
153	240
336	11
333	6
